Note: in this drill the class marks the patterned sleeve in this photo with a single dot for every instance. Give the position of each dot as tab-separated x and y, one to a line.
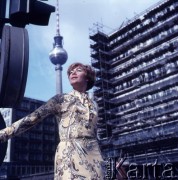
51	107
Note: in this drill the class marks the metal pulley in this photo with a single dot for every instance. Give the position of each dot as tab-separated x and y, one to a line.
13	65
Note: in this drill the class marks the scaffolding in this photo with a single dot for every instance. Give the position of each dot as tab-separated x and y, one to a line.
137	85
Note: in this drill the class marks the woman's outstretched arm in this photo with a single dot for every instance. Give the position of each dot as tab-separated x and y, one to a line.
18	127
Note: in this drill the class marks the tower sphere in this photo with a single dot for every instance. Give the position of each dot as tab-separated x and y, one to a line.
58	55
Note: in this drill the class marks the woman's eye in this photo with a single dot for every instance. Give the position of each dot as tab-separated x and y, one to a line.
71	72
75	70
79	70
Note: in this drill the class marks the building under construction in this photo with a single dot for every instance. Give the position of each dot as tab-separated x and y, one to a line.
137	87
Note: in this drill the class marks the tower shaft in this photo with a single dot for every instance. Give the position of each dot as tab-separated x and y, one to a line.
58	69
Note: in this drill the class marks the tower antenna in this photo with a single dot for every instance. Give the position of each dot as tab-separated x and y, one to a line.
57	18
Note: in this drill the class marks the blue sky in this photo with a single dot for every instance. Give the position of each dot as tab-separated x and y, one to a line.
78	19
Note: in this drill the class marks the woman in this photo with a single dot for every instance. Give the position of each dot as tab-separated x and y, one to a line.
77	155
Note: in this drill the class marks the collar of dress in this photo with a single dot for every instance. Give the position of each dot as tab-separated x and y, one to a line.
81	96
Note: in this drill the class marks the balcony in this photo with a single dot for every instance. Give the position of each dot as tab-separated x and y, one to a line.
151	134
147	89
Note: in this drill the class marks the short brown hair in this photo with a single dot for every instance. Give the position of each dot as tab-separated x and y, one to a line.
90	73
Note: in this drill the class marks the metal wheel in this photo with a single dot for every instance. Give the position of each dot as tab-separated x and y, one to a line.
13	65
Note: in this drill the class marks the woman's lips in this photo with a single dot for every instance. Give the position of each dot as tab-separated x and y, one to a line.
74	77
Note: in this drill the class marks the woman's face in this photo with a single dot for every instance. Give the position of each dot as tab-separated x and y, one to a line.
77	78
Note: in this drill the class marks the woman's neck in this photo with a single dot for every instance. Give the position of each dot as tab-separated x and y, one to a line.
81	89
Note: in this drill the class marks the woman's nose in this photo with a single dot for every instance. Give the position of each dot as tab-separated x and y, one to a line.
74	72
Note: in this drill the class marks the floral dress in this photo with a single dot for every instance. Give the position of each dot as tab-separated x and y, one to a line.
77	155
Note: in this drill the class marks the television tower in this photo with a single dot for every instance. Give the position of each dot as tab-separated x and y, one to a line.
58	55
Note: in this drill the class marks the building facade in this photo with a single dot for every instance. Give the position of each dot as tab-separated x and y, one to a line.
137	88
33	151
